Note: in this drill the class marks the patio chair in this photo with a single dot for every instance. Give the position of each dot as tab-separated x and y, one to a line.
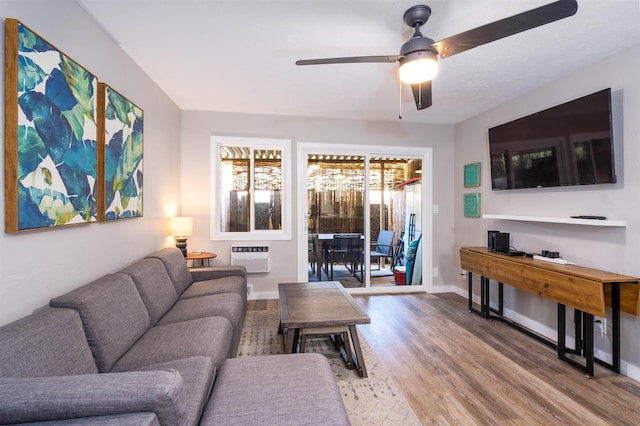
314	255
383	248
398	252
346	249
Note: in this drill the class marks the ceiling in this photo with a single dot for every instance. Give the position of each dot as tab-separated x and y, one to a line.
239	55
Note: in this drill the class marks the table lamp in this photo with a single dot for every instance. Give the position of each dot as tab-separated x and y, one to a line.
181	228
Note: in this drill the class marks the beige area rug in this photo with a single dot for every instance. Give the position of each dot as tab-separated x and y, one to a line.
374	400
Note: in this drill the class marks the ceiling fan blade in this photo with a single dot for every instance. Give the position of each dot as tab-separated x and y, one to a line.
349	60
422	94
506	27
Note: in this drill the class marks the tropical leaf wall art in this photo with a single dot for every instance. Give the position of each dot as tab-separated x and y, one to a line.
123	146
50	135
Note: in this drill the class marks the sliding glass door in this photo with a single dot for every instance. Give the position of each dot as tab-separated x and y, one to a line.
392	183
362	222
336	220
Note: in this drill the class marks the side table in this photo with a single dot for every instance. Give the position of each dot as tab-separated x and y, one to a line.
199	257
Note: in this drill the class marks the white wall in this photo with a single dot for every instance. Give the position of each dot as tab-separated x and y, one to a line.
611	249
198	127
37	265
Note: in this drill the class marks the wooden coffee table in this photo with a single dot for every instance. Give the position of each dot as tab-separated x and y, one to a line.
322	308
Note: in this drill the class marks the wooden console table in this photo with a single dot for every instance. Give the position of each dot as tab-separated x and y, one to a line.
586	290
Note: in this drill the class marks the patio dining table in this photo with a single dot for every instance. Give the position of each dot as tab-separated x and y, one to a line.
339	248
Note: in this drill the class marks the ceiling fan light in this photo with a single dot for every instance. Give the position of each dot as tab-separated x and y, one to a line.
418	70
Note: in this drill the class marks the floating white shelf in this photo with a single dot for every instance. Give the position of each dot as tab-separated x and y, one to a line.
567	220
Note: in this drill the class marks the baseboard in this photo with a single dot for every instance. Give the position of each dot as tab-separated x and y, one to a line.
630	370
535	326
460	291
262	295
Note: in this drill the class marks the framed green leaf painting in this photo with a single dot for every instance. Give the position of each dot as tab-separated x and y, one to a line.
121	159
50	135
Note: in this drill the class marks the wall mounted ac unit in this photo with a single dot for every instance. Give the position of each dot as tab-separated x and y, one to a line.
254	258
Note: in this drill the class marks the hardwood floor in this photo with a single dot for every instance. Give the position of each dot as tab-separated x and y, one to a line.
457	368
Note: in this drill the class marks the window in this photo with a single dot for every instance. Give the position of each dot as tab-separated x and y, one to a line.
251	186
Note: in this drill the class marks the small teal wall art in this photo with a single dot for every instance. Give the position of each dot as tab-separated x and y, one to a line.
123	148
472	175
50	135
472	205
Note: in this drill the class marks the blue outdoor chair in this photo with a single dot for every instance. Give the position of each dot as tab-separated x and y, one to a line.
383	248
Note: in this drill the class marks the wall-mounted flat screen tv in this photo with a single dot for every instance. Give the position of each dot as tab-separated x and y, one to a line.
569	144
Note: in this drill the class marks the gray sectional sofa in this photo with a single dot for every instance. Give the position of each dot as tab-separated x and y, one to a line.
155	344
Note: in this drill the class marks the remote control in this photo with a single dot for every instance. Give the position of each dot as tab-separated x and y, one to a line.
590	217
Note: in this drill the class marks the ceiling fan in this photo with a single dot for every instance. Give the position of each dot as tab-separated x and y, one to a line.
418	57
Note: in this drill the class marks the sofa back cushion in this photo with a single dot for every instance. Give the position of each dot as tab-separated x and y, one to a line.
176	267
154	285
49	342
112	313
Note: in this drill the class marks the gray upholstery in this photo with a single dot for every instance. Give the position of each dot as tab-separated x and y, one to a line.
137	419
215	272
188	282
64	397
57	330
154	285
93	358
227	305
198	374
295	389
112	314
176	267
200	337
230	306
227	284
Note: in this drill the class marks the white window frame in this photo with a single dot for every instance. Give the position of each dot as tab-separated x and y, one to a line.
283	145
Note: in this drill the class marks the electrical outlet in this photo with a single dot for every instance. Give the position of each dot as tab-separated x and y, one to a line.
249	289
435	272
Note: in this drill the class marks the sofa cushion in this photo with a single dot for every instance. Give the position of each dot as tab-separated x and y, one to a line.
112	313
214	272
230	284
49	342
229	306
173	261
295	389
198	374
154	285
209	336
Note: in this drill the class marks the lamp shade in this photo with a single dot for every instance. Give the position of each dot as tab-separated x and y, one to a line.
181	226
418	67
